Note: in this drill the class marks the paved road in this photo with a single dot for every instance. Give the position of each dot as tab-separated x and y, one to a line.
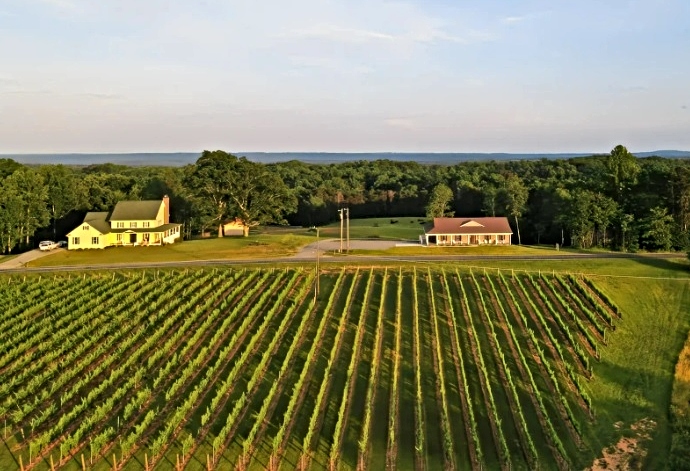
20	261
308	255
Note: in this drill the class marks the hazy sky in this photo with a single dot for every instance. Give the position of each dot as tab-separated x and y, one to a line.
344	75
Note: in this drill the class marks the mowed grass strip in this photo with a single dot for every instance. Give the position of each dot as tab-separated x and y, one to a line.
252	247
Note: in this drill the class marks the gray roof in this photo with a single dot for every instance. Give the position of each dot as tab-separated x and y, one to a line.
136	210
97	220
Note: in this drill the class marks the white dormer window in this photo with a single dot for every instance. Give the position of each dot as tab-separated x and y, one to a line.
133	225
120	225
146	224
471	224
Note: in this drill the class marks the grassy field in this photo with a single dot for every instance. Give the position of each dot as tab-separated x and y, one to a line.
404	228
256	246
466	250
246	371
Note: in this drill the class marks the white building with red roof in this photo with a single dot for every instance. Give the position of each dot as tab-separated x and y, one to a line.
468	231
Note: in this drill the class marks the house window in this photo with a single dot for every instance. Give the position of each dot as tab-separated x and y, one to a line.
146	224
94	241
120	225
85	227
75	241
501	238
119	237
133	224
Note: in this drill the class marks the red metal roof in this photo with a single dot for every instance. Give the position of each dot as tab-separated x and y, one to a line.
495	225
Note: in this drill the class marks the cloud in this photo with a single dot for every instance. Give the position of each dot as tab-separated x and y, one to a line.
338	33
513	19
64	5
331	64
420	35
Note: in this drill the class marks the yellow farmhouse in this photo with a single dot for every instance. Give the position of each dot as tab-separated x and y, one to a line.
130	223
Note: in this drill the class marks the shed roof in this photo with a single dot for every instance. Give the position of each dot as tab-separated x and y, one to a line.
490	225
136	210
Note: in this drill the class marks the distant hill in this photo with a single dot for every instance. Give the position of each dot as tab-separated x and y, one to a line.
176	159
669	154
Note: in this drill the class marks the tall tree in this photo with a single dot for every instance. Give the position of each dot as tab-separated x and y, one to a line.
33	194
64	191
623	169
659	229
515	197
439	202
235	187
259	196
10	216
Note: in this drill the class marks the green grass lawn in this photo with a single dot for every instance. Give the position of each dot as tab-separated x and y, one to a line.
466	250
406	228
258	246
6	258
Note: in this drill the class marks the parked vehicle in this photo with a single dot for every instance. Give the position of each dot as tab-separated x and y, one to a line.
48	245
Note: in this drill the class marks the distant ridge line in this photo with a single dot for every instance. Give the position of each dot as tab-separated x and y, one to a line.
175	159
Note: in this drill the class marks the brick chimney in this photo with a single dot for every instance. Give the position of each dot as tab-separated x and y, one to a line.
166	210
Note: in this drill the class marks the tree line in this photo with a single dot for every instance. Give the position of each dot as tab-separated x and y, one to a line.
613	201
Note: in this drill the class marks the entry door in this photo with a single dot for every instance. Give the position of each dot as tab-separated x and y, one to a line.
132	238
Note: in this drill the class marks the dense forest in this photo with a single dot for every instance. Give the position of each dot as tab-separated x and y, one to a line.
614	201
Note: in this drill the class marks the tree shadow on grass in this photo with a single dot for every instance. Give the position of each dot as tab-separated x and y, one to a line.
635	394
678	265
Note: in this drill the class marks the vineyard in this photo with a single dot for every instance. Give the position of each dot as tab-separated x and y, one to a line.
246	369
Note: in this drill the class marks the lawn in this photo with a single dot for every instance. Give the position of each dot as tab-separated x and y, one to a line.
258	246
404	228
466	250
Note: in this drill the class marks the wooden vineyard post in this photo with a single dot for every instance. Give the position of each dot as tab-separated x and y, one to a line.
83	464
208	463
146	461
177	462
21	465
114	462
52	465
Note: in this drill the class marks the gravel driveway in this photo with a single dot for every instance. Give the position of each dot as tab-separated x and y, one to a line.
21	260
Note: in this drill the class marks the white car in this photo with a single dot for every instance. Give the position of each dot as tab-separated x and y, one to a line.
48	245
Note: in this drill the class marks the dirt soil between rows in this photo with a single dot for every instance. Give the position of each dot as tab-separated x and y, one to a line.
629	453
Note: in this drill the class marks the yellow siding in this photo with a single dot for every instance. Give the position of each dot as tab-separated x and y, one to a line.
85	234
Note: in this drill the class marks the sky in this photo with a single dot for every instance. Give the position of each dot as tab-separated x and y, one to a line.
344	75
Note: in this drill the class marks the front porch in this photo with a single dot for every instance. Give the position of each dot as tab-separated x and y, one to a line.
145	239
445	240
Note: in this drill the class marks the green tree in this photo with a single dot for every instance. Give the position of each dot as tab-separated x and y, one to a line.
33	194
228	186
64	191
604	210
10	216
659	229
515	197
623	169
439	202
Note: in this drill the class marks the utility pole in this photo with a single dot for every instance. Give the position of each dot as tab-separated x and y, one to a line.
340	211
347	222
